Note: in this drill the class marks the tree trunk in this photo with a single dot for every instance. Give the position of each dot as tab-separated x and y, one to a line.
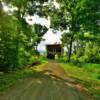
70	49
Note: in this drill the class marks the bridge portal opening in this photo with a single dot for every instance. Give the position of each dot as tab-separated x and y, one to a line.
52	50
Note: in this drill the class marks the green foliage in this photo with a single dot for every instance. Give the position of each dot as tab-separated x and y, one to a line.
87	75
9	79
18	40
62	59
91	54
79	17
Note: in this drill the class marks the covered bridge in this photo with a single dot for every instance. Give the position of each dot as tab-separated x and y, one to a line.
52	50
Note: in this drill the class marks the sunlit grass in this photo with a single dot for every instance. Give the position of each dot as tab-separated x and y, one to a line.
8	79
87	75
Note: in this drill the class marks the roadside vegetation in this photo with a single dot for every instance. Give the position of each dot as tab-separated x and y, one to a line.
9	79
88	75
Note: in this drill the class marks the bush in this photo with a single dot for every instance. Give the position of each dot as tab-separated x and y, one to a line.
75	60
62	59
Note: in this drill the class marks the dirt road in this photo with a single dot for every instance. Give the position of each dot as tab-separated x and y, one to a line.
49	84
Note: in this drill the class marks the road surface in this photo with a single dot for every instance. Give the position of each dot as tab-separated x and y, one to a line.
49	84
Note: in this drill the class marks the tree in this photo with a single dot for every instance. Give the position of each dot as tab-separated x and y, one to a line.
80	16
7	41
17	38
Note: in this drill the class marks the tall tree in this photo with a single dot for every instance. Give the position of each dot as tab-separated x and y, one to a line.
17	38
80	16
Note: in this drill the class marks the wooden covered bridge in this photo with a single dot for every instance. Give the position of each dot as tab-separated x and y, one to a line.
52	50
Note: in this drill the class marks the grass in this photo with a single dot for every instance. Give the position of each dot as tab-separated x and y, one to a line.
9	79
88	75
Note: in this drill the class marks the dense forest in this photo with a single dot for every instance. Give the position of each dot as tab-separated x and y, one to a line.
19	40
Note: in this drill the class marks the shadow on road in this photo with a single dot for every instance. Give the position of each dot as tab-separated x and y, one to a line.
48	84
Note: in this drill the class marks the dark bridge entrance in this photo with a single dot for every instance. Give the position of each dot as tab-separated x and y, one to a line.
52	50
